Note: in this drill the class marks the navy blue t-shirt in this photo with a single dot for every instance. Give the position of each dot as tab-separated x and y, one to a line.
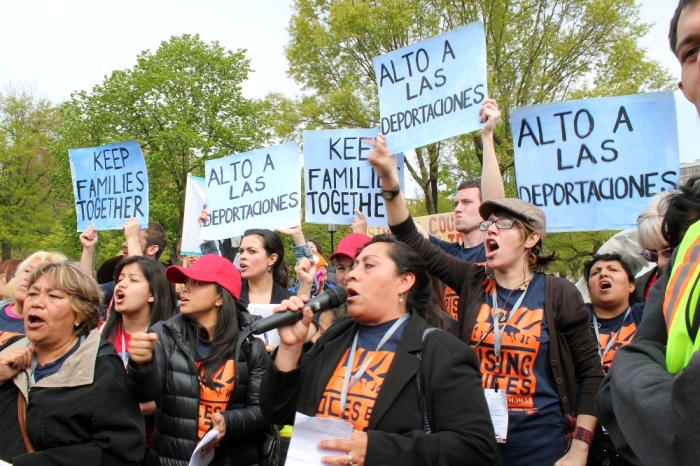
9	326
623	328
51	368
536	427
476	254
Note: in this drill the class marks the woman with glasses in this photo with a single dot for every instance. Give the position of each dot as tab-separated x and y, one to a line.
531	331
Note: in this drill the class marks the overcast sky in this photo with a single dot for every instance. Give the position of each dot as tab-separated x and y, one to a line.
59	46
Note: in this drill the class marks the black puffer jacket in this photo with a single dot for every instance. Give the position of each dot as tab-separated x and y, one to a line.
171	379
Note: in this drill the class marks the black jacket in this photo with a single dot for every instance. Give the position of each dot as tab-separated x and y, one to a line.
171	379
82	415
457	409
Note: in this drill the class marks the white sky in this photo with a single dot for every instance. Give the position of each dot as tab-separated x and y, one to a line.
60	46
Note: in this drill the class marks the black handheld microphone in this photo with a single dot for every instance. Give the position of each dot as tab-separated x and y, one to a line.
329	299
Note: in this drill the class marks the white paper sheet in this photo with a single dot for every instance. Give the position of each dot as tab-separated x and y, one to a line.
197	458
308	431
498	407
265	310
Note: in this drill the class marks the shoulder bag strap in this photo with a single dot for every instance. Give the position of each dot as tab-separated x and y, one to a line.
22	418
423	402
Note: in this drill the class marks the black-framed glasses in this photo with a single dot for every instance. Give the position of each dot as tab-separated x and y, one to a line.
501	224
653	256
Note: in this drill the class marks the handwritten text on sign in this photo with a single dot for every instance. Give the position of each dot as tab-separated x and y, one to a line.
593	164
432	90
339	179
110	185
257	189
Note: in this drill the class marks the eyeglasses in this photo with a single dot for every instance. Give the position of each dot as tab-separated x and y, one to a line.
501	224
653	256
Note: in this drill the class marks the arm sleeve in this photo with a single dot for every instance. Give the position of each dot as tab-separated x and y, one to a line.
279	393
573	323
244	425
462	431
145	381
450	270
118	434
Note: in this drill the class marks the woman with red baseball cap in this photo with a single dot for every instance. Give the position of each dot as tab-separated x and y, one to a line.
201	371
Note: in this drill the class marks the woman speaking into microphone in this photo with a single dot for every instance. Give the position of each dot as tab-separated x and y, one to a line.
413	395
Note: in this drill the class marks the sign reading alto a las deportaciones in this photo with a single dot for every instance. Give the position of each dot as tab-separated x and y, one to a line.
432	90
594	164
256	189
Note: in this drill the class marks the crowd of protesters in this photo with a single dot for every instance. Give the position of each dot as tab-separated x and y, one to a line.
527	371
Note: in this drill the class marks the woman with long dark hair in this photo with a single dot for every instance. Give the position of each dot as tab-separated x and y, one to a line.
263	270
204	375
418	397
142	297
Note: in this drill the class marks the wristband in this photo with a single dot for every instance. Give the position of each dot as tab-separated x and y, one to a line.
584	435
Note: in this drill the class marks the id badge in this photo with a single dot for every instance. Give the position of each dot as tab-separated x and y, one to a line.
498	407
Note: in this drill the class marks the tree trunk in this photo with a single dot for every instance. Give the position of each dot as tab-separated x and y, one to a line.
6	250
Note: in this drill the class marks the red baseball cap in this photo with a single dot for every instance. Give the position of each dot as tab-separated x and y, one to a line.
210	268
349	245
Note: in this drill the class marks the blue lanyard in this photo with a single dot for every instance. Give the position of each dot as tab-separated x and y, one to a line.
613	337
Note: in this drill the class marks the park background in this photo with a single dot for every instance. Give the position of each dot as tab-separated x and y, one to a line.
193	80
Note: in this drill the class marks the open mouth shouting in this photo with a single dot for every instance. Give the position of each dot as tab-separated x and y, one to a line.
34	321
491	246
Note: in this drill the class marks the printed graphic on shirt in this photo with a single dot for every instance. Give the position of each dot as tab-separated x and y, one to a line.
620	329
214	400
451	302
514	370
6	335
363	394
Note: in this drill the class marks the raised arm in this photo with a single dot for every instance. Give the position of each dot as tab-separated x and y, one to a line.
88	239
491	181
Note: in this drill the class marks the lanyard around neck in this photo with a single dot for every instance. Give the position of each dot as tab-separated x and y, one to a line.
498	331
347	383
613	337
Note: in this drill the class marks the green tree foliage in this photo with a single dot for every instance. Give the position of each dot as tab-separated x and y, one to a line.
573	249
183	104
538	51
27	205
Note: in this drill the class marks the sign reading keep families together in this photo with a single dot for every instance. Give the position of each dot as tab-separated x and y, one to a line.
110	185
339	179
589	164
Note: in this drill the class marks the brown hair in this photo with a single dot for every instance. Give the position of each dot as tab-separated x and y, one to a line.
468	184
155	234
85	296
673	30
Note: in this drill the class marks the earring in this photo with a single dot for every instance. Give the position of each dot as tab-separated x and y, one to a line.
401	298
77	324
269	269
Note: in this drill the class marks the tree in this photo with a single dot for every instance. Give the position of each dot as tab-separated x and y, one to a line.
182	103
27	205
538	51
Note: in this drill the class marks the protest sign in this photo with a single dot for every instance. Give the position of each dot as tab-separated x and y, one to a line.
194	202
339	179
257	189
433	89
110	185
593	164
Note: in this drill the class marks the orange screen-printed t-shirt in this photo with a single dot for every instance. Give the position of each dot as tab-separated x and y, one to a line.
363	394
213	399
